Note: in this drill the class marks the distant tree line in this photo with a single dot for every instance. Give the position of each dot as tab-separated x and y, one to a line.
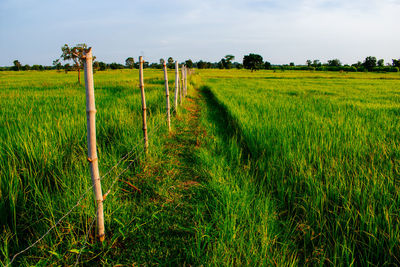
251	61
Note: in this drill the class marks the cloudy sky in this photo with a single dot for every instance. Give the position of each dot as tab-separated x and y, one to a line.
282	31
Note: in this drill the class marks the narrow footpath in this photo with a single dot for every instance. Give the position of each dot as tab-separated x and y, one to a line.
163	230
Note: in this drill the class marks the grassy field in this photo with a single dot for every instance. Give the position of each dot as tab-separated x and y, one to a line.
262	168
325	151
43	169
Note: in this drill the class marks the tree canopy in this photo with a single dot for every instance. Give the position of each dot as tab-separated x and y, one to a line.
189	63
370	63
17	65
334	63
76	55
130	62
253	62
170	63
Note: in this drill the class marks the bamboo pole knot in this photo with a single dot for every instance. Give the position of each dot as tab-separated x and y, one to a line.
91	160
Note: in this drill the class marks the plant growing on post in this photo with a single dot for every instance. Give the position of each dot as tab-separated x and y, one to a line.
91	136
76	55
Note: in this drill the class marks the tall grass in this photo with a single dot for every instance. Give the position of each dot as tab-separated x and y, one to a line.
326	148
263	168
43	152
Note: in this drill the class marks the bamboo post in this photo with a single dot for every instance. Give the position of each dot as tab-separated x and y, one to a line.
167	95
182	73
176	85
91	136
141	84
185	81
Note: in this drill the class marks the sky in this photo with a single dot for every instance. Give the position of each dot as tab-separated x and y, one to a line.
281	31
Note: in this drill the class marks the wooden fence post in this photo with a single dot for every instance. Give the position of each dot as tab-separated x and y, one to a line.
91	136
182	80
167	95
176	85
185	80
141	84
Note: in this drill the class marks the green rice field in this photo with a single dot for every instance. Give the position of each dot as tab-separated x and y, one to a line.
261	168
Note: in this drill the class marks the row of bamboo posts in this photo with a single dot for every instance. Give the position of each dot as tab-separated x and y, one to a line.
180	92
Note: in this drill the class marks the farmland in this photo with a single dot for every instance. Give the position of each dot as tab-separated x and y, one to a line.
325	150
261	168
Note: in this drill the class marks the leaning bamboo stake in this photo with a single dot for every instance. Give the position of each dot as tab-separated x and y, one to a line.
167	95
176	85
91	136
146	142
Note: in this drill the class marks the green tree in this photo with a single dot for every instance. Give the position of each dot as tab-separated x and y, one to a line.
334	63
67	67
267	65
221	64
396	63
238	65
370	63
96	65
170	63
357	65
189	63
316	63
57	64
252	62
102	66
17	65
228	61
381	63
229	57
308	62
202	65
130	62
76	55
116	66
